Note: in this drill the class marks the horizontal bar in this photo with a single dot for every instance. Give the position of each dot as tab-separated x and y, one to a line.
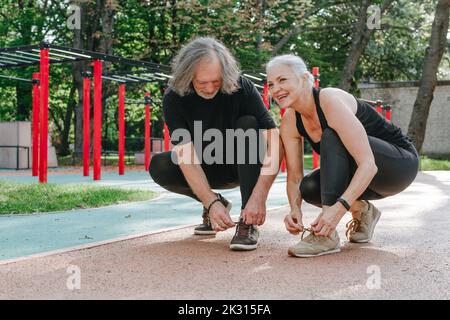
125	78
143	79
14	59
23	48
70	52
14	63
163	75
15	78
251	77
19	56
37	55
113	79
57	55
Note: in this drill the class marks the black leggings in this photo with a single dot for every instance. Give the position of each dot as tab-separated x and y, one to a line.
220	176
397	168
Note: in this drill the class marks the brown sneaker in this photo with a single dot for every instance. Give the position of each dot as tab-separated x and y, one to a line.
206	228
245	238
314	246
361	230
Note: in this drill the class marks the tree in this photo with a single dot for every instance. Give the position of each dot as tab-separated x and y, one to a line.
360	38
433	57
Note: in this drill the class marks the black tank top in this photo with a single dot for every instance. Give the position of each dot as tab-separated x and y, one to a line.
374	124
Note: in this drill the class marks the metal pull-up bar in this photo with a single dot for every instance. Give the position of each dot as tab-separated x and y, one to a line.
121	139
86	122
43	113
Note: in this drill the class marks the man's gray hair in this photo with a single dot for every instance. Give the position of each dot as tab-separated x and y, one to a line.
295	63
184	63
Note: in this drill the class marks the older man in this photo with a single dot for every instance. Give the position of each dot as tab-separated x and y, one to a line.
207	94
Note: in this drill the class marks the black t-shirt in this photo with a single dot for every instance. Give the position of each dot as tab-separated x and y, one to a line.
220	112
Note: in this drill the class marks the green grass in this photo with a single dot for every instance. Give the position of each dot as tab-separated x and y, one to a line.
110	160
31	198
427	164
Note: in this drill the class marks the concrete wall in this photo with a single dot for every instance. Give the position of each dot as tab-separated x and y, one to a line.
19	134
402	95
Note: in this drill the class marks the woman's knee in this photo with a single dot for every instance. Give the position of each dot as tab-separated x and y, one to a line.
310	190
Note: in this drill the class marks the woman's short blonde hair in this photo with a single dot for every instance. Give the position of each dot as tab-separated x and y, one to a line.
184	63
295	63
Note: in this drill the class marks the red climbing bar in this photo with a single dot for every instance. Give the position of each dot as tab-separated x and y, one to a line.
43	114
379	107
388	110
97	147
121	129
147	130
315	71
35	128
86	125
266	95
166	138
283	162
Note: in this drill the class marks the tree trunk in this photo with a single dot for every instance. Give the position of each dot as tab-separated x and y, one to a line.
434	53
360	39
77	69
23	96
64	148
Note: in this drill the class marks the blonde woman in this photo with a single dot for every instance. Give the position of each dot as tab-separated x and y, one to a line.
363	157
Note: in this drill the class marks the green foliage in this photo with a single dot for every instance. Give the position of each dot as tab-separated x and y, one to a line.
154	30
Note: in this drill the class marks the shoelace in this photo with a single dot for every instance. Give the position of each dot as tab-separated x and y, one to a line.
352	225
205	217
307	230
243	230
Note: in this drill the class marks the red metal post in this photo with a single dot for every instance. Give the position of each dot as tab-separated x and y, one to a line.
379	107
97	148
388	110
266	95
121	129
43	112
166	138
35	121
147	131
315	71
86	125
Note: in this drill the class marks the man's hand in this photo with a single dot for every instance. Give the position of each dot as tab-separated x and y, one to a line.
255	211
219	217
293	222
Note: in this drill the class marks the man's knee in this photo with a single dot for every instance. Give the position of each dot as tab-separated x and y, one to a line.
247	122
159	166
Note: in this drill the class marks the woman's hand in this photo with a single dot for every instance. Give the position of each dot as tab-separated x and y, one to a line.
293	221
326	222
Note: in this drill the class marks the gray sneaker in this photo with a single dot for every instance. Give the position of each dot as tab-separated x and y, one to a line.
245	238
361	231
314	246
206	228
